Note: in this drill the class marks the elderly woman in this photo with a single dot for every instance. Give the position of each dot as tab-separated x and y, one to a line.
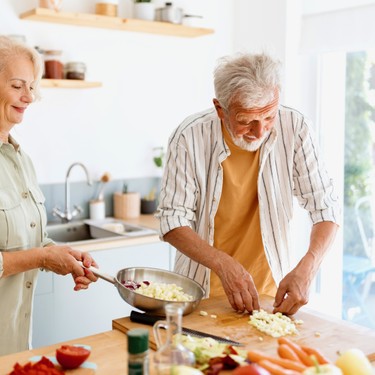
24	245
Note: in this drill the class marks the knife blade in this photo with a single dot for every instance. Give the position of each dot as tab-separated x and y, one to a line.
149	319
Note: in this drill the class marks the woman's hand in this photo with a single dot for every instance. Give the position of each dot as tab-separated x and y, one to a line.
63	260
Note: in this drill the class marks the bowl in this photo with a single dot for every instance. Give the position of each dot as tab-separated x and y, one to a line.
155	305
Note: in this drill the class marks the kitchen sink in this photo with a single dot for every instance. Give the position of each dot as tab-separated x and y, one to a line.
87	231
75	232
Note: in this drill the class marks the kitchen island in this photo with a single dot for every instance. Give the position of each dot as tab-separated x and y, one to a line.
109	349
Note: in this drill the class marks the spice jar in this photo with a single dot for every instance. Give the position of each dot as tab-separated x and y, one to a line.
54	68
75	70
138	360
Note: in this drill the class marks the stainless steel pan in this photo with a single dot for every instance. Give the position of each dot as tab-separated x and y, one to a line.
149	304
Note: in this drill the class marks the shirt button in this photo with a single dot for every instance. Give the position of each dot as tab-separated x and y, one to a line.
32	224
28	284
25	194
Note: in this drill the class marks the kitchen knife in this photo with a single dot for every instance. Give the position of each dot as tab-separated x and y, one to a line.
149	319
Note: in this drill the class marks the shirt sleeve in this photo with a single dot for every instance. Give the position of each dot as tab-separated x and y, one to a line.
177	204
313	187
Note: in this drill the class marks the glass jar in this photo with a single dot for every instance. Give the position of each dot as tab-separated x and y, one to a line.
172	352
54	68
75	70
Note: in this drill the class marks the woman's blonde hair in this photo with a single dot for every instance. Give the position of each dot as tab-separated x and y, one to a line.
9	49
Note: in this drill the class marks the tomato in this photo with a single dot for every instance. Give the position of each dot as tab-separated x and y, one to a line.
43	367
252	369
70	356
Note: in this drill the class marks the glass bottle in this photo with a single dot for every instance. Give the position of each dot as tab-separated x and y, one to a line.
171	352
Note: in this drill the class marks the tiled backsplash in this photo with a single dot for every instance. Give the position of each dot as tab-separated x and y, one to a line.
81	194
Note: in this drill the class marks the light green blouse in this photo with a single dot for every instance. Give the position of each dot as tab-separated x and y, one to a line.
22	226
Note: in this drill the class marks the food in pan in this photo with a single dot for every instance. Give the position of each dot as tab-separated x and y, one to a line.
163	291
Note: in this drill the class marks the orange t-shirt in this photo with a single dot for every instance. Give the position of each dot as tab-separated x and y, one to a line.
237	223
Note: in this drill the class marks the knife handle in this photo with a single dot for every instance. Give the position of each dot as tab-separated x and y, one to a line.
144	318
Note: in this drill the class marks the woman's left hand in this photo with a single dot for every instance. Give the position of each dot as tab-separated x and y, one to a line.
63	260
82	282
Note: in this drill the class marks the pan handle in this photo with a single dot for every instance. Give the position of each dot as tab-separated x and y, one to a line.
99	273
144	318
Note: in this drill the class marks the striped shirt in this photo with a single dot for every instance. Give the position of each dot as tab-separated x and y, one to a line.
289	166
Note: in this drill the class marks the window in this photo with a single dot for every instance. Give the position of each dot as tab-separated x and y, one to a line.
346	114
359	194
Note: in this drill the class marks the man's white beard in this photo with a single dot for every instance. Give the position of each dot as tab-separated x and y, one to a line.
248	146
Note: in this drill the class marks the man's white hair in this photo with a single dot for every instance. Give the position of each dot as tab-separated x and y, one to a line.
251	80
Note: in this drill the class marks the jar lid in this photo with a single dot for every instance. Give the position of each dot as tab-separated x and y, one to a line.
52	52
75	65
137	340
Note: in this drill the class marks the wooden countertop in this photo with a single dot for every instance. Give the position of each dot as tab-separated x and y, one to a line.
325	333
108	352
109	349
148	221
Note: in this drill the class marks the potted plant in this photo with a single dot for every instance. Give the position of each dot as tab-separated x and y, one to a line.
144	10
149	202
158	156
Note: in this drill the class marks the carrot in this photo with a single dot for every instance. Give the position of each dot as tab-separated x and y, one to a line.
322	360
276	369
289	364
257	356
285	351
303	356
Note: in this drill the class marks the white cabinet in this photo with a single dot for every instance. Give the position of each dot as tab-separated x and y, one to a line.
62	314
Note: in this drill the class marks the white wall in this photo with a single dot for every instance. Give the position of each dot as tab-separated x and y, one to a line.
150	83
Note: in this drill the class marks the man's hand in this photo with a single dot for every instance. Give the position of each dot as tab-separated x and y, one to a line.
238	284
292	293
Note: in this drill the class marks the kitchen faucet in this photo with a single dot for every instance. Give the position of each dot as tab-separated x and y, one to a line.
68	215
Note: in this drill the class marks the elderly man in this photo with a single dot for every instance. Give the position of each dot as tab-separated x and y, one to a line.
227	193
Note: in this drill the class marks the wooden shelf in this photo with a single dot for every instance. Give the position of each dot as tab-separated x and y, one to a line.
68	83
117	23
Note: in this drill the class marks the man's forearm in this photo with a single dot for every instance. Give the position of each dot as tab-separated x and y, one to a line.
192	245
321	239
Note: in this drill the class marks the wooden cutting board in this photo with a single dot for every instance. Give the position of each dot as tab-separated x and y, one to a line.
325	333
